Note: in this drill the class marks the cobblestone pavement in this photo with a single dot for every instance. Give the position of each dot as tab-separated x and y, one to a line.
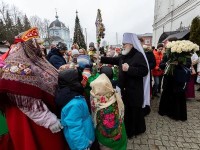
164	133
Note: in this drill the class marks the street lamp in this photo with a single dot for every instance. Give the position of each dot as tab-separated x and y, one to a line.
86	37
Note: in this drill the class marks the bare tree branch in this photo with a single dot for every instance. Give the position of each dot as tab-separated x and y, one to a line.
3	8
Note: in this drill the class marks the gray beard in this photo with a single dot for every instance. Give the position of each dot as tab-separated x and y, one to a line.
126	51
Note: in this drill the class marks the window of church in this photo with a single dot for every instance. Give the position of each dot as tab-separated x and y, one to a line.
147	41
56	33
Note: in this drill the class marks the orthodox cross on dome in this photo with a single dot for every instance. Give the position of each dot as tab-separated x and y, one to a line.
56	14
181	24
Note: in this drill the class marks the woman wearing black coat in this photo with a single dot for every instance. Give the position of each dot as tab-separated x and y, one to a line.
173	99
133	66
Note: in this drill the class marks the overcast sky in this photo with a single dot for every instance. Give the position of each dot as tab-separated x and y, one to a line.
118	16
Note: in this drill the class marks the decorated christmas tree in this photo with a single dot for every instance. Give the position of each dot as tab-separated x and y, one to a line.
78	34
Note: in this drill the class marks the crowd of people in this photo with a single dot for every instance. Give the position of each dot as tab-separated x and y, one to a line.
86	99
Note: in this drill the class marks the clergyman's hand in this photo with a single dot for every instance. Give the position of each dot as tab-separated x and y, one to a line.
125	67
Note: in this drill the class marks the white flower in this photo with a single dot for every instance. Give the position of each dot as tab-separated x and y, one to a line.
169	45
14	69
173	49
196	48
182	46
191	47
187	48
173	43
178	50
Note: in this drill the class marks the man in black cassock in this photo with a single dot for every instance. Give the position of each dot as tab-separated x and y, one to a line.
134	81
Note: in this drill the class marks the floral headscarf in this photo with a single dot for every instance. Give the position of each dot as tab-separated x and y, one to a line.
107	107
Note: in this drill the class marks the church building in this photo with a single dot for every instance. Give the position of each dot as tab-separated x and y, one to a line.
173	16
58	32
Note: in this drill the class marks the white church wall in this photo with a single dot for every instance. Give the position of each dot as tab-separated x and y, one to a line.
184	12
177	3
156	35
161	9
167	27
62	35
68	35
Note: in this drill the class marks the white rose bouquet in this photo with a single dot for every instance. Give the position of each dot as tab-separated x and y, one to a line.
178	52
182	46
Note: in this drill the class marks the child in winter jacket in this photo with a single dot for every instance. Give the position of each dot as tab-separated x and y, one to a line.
75	117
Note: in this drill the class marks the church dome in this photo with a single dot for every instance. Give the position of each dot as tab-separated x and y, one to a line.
57	23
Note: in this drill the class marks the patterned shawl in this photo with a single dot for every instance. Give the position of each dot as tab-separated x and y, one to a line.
28	76
107	108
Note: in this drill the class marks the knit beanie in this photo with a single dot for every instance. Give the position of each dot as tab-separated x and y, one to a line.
91	44
107	71
61	46
74	52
